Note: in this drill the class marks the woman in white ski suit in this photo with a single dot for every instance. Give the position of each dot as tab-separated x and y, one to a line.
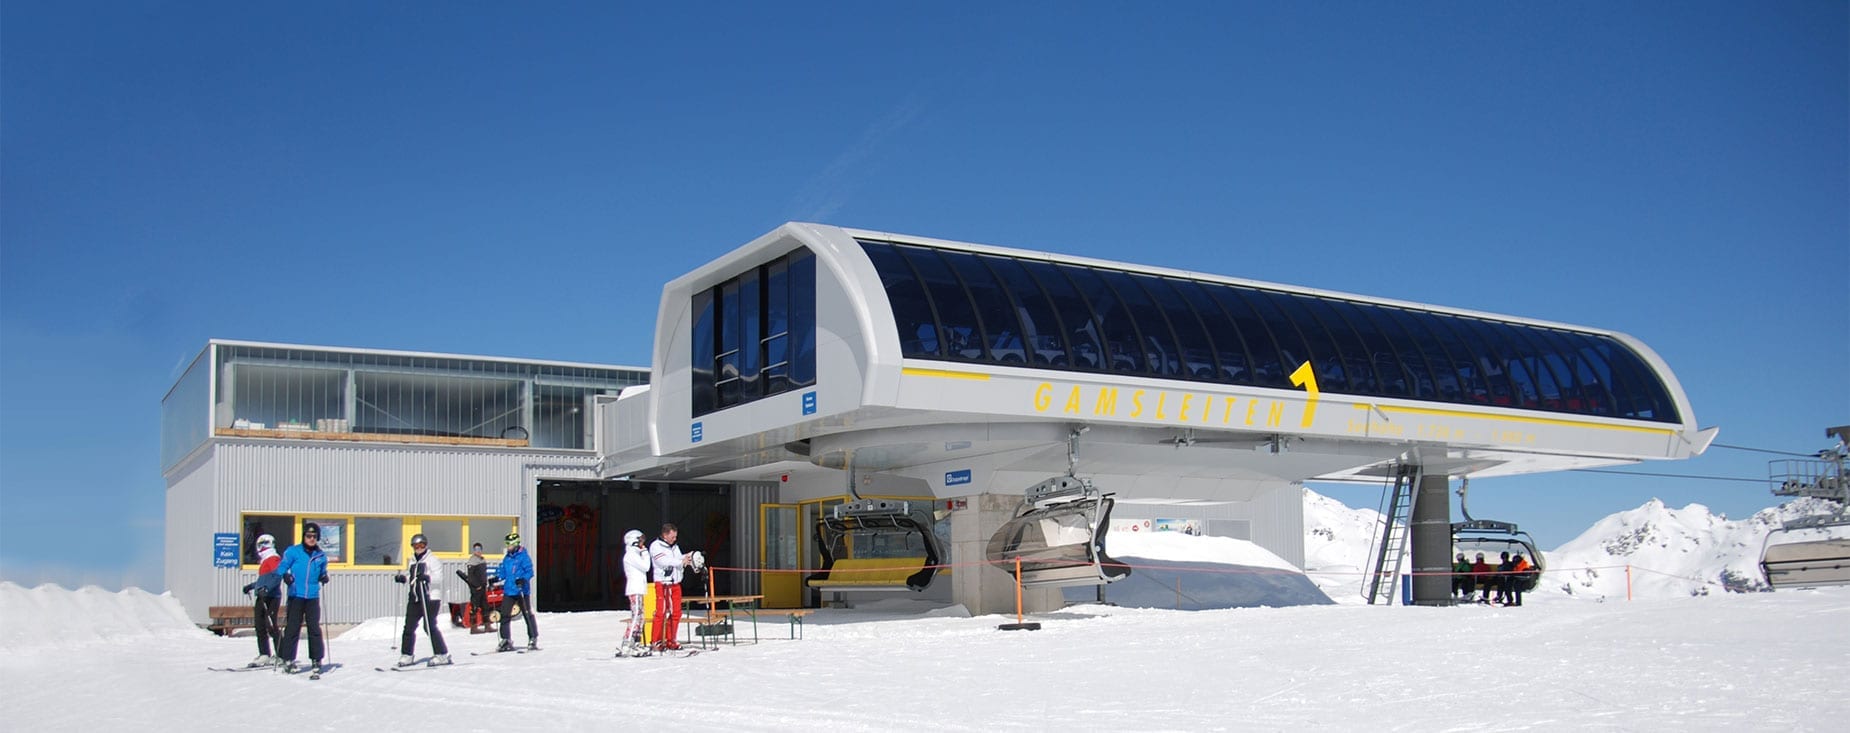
635	585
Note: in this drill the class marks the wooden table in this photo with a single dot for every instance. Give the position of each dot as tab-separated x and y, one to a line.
746	603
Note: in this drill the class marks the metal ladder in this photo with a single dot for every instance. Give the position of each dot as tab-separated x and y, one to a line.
1389	548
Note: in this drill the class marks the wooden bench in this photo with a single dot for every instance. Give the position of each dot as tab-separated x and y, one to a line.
228	619
796	619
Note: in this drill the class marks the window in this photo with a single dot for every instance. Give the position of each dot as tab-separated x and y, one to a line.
378	541
280	527
444	535
953	305
754	336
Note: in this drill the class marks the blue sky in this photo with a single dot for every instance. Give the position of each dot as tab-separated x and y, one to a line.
492	179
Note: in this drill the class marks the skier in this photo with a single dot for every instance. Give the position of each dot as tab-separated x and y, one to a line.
475	573
516	575
421	603
635	584
267	591
305	568
668	561
1461	578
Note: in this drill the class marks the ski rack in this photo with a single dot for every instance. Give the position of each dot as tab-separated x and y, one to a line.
1058	536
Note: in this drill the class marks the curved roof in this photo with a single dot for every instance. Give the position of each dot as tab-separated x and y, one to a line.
973	305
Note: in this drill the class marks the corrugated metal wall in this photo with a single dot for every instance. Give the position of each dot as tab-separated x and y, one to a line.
746	497
307	477
191	511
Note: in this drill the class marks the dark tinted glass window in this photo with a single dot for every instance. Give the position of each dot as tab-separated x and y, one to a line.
1082	333
803	318
958	325
1003	338
755	335
1113	320
1229	348
1038	320
918	328
960	306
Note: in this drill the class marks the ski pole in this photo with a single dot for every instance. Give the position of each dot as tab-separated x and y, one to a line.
327	649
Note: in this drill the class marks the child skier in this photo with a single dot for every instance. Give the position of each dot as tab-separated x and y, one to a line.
421	603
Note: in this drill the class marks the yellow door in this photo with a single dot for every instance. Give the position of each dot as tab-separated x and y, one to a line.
783	538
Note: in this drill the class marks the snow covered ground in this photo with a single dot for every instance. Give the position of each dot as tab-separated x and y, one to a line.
76	660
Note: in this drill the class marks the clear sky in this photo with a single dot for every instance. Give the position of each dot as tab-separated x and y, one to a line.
498	179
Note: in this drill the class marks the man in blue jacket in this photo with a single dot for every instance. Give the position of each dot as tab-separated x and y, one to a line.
305	569
516	578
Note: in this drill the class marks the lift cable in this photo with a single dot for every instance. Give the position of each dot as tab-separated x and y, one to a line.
1763	450
1669	475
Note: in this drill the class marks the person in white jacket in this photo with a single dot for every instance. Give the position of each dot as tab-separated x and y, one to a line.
668	562
635	585
422	602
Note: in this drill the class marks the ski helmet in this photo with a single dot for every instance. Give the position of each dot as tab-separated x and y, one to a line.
418	539
632	537
264	540
311	529
512	538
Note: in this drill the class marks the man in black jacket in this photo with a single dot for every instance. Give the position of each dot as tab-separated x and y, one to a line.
475	573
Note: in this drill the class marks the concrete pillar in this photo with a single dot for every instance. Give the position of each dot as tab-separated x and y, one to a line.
983	589
1431	532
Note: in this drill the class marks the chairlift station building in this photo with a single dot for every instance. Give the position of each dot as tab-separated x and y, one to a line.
818	365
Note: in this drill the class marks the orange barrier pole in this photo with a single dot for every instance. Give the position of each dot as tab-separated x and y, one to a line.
1628	581
1019	625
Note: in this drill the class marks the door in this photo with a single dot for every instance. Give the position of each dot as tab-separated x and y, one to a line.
782	537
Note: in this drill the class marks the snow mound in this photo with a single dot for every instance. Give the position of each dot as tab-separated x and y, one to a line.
54	616
1180	547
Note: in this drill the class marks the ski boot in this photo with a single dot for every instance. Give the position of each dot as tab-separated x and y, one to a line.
504	646
533	645
405	660
440	660
262	660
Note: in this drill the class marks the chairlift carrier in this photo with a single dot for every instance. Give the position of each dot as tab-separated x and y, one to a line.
1059	536
876	530
1812	551
1493	538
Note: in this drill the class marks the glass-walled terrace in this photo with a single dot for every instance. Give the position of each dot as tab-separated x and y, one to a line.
953	305
283	392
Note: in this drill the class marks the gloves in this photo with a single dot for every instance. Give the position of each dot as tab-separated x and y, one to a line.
289	578
399	578
323	579
248	587
522	582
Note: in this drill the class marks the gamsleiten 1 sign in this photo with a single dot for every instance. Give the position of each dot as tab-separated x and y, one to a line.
225	549
957	478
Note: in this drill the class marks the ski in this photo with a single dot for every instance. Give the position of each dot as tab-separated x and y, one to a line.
242	669
509	651
314	674
412	667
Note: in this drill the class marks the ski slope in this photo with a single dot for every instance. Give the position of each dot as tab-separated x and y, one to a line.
1764	661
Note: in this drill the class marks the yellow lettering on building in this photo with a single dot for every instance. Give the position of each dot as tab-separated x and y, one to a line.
1137	403
1307	379
1275	415
1161	399
1107	401
1043	396
1226	415
1183	413
1251	405
1072	401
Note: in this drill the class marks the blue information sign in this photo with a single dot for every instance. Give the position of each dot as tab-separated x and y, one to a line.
696	433
224	549
809	403
957	478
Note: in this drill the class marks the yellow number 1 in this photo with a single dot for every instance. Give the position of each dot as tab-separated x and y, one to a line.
1307	379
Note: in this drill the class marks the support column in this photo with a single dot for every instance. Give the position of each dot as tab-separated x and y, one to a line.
1432	541
981	588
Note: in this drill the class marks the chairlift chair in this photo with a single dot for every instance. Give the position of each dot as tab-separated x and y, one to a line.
1812	551
1493	538
1059	536
871	529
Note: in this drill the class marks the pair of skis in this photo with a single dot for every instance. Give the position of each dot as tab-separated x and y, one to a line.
313	673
